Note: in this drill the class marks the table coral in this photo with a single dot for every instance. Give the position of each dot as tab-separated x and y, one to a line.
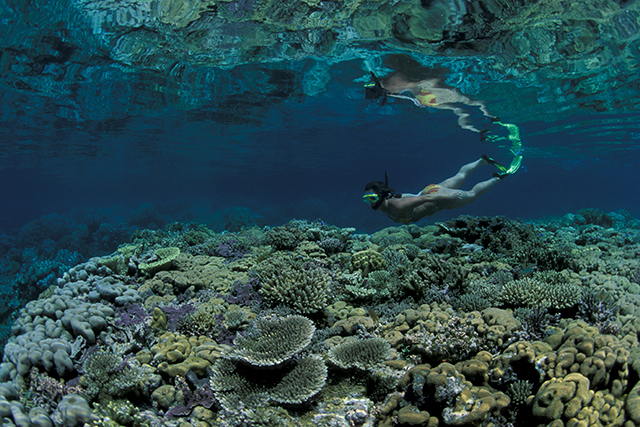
161	259
272	340
364	354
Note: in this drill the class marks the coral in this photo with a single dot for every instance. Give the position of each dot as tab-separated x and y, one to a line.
364	354
367	261
162	259
391	236
268	343
118	413
73	411
107	375
130	315
519	391
565	396
535	322
633	404
293	284
272	340
597	306
286	237
331	245
472	302
178	354
529	292
454	340
203	320
232	381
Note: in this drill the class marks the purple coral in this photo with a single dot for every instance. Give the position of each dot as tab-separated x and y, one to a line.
244	293
331	245
130	315
174	314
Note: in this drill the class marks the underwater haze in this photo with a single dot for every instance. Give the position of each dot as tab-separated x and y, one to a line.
196	108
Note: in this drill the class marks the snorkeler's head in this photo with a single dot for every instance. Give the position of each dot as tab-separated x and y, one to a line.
374	90
376	192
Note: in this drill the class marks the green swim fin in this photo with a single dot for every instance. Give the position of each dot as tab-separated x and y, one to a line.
489	160
515	165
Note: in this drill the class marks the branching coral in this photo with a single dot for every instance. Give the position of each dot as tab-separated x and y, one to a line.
290	283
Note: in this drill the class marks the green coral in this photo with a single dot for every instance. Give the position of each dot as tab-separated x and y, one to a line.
367	261
269	342
531	292
107	375
287	282
363	354
272	340
162	259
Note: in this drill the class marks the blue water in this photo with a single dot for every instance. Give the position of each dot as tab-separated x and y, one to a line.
310	159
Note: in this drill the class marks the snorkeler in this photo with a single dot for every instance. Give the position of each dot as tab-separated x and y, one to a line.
406	208
423	86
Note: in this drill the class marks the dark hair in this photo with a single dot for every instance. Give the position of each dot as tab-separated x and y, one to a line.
380	188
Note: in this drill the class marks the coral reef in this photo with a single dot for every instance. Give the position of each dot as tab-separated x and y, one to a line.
416	329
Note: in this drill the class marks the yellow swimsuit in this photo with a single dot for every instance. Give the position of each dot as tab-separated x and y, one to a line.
430	189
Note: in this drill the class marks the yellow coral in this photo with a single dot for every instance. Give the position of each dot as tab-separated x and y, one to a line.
367	261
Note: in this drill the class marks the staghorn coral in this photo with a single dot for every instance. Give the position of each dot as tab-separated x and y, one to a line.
364	354
299	286
272	340
519	391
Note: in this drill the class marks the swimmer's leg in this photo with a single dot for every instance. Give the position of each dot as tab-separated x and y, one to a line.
462	198
458	179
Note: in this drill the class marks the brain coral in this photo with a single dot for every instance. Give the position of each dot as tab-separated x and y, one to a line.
272	340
